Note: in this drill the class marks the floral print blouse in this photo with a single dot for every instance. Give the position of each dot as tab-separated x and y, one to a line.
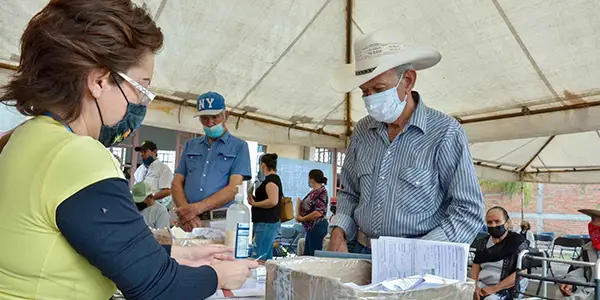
316	200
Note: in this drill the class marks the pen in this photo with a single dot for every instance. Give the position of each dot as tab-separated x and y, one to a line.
262	256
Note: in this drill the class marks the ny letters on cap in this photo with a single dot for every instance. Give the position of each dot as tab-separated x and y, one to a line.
210	104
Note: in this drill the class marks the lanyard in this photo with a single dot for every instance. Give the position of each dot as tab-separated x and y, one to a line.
59	119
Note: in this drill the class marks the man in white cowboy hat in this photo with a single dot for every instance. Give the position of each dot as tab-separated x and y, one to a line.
408	171
589	253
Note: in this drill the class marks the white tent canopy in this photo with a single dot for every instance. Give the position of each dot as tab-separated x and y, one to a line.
515	73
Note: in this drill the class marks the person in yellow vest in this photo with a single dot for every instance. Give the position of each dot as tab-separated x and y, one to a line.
68	223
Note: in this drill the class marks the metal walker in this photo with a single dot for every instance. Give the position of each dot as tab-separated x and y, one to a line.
521	273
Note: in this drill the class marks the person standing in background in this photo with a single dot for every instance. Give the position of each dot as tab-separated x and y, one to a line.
527	234
211	167
154	172
266	206
312	212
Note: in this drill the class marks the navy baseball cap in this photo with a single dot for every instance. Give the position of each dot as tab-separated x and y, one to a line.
210	104
146	145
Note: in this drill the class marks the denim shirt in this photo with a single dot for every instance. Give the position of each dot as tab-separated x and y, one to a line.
207	168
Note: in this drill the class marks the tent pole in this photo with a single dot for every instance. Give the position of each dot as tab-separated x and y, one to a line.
522	180
348	97
522	201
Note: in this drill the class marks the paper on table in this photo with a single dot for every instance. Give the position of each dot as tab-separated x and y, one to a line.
250	289
401	258
403	284
415	282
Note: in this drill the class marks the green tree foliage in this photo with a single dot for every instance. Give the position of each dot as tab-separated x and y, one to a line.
510	189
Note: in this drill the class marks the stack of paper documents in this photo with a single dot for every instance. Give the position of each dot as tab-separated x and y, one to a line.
250	289
404	284
261	275
403	258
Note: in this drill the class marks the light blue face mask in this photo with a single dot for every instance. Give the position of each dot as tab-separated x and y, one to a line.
214	132
386	106
260	176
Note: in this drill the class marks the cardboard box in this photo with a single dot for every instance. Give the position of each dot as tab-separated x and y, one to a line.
312	278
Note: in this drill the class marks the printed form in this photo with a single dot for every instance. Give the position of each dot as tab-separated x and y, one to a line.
400	258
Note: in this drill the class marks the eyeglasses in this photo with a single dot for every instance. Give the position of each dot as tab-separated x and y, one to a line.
147	96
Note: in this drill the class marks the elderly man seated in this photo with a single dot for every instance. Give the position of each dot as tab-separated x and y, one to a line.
588	254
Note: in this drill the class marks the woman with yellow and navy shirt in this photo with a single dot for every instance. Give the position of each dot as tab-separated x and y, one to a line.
68	224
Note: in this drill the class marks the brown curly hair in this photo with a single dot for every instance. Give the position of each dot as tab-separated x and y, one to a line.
69	38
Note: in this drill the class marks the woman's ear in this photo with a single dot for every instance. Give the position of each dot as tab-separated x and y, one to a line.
96	81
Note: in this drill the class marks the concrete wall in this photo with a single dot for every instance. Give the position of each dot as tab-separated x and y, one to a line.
553	207
289	151
165	139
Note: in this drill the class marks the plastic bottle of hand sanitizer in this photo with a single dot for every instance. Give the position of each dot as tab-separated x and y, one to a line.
237	230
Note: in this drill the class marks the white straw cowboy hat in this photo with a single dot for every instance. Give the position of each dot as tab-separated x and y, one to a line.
378	52
594	213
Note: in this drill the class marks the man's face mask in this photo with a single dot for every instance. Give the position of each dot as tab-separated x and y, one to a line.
214	132
141	206
594	231
386	106
135	114
148	161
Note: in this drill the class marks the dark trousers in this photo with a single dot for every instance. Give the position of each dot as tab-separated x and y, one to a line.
314	238
359	249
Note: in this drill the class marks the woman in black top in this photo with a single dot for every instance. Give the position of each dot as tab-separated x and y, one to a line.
266	204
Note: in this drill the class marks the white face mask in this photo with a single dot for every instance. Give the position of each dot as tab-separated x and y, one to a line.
386	106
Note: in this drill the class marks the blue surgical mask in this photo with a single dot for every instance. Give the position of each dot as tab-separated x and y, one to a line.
112	135
148	161
214	132
260	176
385	106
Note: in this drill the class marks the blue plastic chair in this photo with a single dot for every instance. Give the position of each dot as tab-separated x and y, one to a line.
549	233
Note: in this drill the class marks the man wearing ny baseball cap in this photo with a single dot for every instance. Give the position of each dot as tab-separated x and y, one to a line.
211	166
154	172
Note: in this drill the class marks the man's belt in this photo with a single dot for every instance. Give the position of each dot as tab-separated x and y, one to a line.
217	214
363	239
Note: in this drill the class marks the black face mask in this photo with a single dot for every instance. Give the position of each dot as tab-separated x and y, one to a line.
141	206
497	231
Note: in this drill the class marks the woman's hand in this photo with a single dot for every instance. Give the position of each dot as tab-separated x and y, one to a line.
251	200
233	274
196	256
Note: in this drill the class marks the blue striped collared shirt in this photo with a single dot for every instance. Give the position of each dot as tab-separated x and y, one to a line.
423	184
